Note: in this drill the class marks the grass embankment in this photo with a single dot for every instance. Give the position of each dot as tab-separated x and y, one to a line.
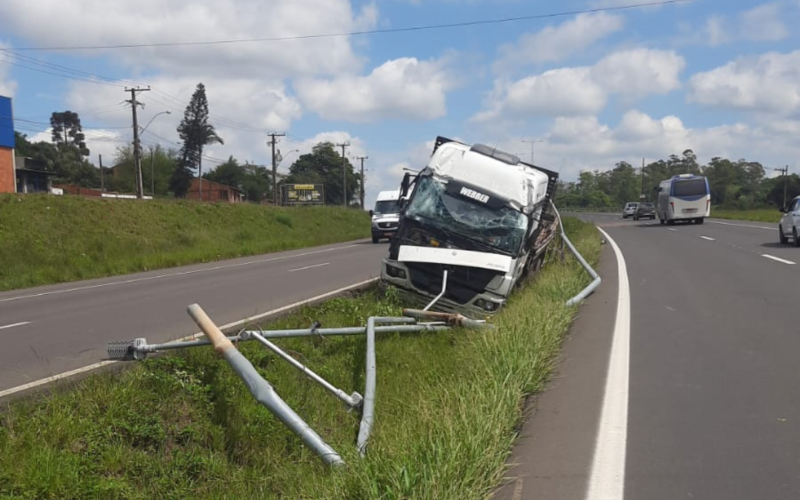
759	214
183	426
52	239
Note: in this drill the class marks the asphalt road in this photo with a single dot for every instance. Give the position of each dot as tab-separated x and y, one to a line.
710	382
54	329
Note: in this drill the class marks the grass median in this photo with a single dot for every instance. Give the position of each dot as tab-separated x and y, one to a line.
53	239
759	214
183	426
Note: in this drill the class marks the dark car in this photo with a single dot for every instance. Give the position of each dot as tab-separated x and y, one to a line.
645	211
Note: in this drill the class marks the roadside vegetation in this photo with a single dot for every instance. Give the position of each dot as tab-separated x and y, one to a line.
760	214
183	425
51	239
734	184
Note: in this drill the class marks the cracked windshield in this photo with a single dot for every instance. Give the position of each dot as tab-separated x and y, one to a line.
503	228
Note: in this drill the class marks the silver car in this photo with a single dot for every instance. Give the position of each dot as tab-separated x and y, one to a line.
630	209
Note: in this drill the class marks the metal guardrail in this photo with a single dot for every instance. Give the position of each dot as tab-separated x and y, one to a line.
596	278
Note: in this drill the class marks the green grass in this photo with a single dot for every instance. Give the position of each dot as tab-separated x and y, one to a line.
759	214
183	426
52	239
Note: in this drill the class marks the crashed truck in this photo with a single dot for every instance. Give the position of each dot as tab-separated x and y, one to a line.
474	223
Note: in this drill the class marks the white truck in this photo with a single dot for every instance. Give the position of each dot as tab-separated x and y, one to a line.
473	223
385	216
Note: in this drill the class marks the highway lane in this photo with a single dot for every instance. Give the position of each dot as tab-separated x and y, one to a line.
713	411
50	330
709	405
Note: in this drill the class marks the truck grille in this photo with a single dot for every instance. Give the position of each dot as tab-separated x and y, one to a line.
463	283
388	225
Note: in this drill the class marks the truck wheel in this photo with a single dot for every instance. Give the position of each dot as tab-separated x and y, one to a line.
700	220
794	235
375	239
782	237
671	222
662	221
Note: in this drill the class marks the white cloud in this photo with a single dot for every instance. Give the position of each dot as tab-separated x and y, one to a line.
580	143
242	110
763	23
7	86
109	23
585	90
767	84
555	43
403	88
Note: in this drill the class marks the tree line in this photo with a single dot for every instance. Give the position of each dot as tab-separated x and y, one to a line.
169	172
736	184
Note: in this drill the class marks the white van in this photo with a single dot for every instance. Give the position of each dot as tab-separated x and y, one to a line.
684	197
385	216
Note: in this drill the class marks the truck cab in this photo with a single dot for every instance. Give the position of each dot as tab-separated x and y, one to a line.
385	215
475	223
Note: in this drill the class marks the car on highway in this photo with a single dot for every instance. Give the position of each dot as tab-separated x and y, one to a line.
787	228
630	209
645	210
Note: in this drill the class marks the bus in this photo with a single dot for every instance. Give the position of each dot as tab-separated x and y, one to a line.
684	197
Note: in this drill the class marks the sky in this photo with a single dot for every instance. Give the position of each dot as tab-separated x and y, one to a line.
572	84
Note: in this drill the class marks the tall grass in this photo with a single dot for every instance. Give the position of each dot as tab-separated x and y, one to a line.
52	239
758	214
183	426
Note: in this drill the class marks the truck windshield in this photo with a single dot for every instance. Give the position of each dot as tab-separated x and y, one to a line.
386	207
503	228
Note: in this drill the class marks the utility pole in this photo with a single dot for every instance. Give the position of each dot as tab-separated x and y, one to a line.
642	177
136	153
533	141
153	172
344	172
102	177
362	158
272	142
785	172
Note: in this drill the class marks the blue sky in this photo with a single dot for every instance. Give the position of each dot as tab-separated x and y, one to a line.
719	77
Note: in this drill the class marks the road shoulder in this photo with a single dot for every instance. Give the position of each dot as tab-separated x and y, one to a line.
553	454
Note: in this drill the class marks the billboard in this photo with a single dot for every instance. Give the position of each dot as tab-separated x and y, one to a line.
6	123
303	194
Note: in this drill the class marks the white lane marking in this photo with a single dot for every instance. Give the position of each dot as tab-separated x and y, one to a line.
37	383
168	275
778	259
671	229
708	238
309	267
744	225
15	324
607	478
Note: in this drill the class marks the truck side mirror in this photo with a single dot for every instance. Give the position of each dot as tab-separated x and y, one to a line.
404	185
371	213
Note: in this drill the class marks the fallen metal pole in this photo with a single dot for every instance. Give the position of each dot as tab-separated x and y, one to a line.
368	409
446	318
261	390
358	330
596	281
351	400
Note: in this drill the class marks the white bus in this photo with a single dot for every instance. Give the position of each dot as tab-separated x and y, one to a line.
684	197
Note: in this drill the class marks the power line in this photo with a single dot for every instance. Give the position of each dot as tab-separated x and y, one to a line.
357	33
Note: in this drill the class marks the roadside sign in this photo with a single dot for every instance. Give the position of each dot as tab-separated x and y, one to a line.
303	194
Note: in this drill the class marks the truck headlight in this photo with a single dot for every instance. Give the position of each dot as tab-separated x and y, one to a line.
396	272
